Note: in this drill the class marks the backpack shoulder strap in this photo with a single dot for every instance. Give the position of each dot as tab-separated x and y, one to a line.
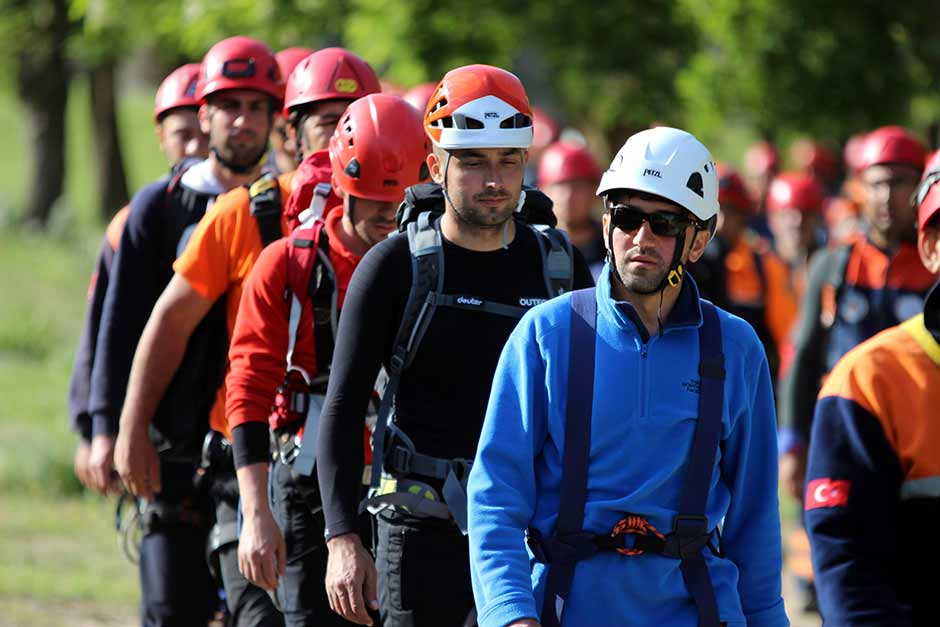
427	279
577	446
265	199
691	520
557	258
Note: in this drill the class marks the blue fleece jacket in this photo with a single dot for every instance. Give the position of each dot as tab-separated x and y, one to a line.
645	408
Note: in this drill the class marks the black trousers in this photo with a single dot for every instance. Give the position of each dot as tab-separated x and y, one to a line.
248	605
176	586
424	572
301	595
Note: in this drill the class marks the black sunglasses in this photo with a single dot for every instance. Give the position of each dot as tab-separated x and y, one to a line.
662	223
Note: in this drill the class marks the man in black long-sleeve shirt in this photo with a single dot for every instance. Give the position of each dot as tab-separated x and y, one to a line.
480	124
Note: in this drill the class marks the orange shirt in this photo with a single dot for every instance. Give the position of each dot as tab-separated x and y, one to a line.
220	255
744	286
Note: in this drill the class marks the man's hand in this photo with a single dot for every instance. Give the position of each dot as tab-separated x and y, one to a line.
351	579
101	464
137	462
262	553
82	453
793	472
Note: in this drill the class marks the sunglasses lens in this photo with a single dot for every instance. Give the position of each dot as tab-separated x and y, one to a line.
627	219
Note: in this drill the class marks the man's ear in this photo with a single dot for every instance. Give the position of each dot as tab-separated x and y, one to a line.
436	168
699	242
204	125
928	245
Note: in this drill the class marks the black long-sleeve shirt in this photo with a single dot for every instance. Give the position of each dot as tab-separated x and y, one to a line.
442	396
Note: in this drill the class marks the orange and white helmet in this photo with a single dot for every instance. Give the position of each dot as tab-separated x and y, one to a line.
479	106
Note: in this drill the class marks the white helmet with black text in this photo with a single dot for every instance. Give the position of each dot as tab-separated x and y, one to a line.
674	165
670	163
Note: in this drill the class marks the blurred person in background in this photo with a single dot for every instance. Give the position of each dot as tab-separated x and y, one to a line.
874	479
741	274
817	160
545	132
761	165
179	137
855	291
283	154
419	95
568	174
794	217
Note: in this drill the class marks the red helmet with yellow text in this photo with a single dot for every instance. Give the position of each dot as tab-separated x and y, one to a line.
567	161
732	192
288	58
795	190
330	74
892	145
240	63
178	89
479	106
379	148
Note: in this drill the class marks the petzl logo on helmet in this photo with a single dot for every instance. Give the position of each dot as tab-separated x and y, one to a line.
490	114
656	173
346	85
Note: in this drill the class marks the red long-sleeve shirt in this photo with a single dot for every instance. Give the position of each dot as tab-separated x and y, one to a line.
258	350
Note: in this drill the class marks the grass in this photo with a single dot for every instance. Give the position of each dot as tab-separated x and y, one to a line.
57	543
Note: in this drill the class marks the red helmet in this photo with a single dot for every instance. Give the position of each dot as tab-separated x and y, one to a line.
328	74
795	190
240	63
177	90
732	192
892	144
545	128
419	95
814	158
479	106
288	58
852	152
379	148
761	160
928	194
566	161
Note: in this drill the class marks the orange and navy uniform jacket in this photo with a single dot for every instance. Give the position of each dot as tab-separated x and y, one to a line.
840	310
750	281
80	384
872	503
218	258
258	350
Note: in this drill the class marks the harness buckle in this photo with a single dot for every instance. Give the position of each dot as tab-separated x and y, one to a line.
691	534
399	460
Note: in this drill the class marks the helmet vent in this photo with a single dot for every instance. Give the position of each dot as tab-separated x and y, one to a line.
696	184
519	120
352	169
466	122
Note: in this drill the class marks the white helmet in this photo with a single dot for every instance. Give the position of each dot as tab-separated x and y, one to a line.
479	106
667	162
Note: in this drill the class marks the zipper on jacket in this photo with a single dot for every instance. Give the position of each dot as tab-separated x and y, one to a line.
644	378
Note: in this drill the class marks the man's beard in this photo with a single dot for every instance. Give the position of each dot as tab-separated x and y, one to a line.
240	159
471	214
645	283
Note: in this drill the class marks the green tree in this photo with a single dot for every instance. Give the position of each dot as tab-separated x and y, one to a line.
786	67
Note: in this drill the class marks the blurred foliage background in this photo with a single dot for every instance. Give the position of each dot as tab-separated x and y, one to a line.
727	70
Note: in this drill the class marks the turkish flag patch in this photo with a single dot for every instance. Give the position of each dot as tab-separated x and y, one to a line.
827	493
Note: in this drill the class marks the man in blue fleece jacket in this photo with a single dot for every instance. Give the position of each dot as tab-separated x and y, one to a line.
661	200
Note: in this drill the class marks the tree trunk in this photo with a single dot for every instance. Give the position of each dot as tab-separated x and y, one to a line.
43	86
110	175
